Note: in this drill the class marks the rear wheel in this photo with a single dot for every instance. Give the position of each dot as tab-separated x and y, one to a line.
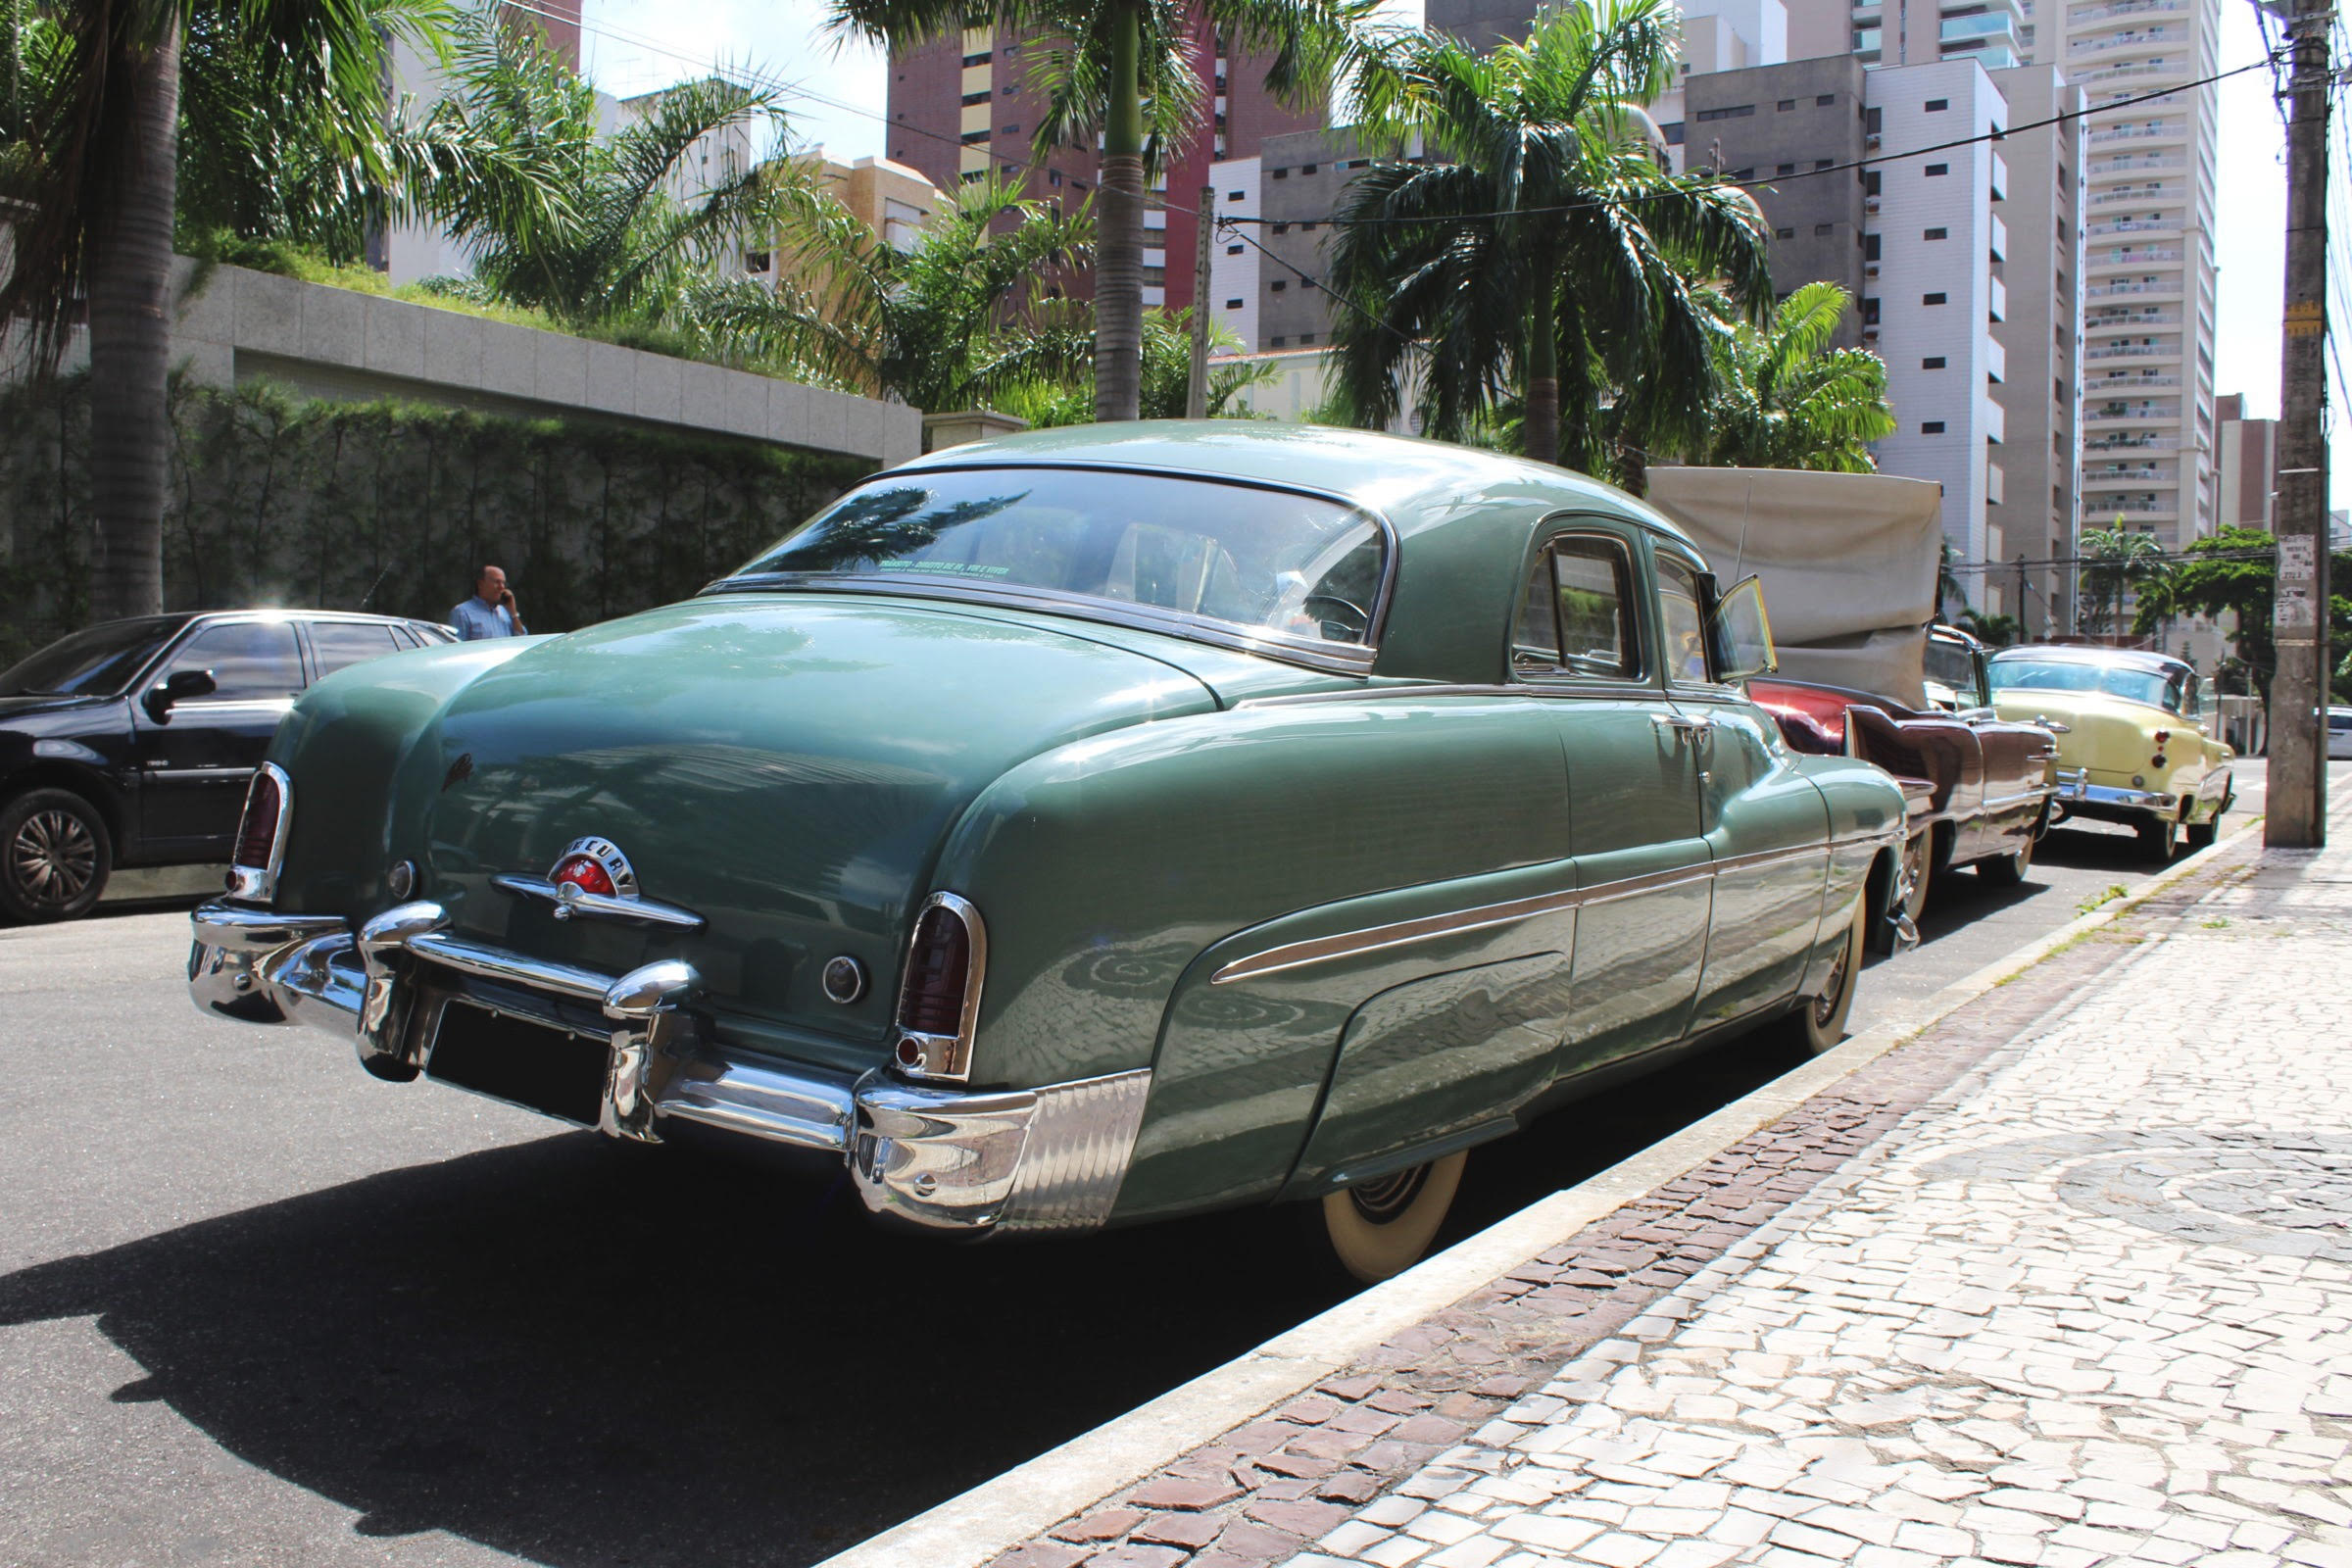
1819	1022
1919	861
55	857
1382	1227
2160	838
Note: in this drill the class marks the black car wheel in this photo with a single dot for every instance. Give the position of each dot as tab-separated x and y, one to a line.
55	857
2159	838
2008	870
1919	859
1819	1022
1383	1227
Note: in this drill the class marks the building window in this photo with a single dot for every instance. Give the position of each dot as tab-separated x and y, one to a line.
1307	337
1236	195
1738	174
1282	342
1870	247
1934	362
1784	233
1282	228
1233	250
1824	100
1155	277
980	59
1054	178
971	98
1937	106
1936	233
972	136
1935	169
1785	105
1825	228
1306	168
1871	119
1869	309
1870	183
972	177
1232	304
1931	427
1734	112
1282	174
1820	164
1278	285
1306	228
1786	168
1673	132
1935	298
1012	130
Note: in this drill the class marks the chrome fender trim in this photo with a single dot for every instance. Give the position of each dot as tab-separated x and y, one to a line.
1024	1161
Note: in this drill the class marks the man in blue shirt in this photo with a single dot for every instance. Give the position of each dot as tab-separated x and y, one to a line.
490	612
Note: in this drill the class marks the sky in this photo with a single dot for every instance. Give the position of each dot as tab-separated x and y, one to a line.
838	92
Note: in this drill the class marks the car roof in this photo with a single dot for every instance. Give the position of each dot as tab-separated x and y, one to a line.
2085	653
1417	485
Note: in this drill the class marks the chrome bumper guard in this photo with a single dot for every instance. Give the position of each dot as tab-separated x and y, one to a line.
1040	1160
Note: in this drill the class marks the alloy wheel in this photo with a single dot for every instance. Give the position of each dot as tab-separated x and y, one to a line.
53	858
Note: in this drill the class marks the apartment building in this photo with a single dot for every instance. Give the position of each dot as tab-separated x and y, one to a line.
1234	261
2151	453
959	107
2246	466
2040	338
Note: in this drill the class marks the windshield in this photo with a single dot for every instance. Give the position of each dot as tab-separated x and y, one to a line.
1271	562
1951	674
97	663
2155	687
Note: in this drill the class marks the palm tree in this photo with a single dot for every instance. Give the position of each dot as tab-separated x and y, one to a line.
1548	255
1126	69
1785	399
607	228
948	324
2115	561
91	184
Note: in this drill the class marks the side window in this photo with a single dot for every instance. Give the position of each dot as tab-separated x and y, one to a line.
1576	617
337	644
1984	696
1682	624
250	661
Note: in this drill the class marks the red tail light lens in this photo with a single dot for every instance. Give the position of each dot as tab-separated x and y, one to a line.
261	836
587	873
936	973
940	1000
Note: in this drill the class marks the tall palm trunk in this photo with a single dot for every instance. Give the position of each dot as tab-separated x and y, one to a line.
1119	243
1539	423
131	345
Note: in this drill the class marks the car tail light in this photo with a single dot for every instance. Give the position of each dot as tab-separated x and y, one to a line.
261	836
938	1002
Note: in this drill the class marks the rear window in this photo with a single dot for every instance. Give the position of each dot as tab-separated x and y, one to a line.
1179	552
2164	689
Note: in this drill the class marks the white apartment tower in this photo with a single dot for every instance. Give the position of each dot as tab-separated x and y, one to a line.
2147	205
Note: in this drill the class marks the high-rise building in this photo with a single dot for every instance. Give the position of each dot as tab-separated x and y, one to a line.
959	107
2148	270
2246	466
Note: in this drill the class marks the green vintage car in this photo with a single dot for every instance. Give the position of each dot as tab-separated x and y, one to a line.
1085	827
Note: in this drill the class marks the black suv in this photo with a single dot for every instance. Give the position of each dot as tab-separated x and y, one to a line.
133	743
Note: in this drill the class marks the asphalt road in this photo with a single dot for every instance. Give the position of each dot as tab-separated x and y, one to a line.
258	1307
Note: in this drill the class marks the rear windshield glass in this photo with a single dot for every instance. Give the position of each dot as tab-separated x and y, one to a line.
2158	688
1270	563
97	663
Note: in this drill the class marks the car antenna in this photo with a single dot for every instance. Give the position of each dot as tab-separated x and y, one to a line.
1747	498
373	586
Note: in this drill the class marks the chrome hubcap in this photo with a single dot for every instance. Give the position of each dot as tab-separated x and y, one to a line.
1381	1200
1825	1005
53	859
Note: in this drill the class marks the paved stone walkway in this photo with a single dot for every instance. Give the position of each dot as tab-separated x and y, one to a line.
2091	1306
2065	1281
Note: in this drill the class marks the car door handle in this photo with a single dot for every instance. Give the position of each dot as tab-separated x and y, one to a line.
1682	726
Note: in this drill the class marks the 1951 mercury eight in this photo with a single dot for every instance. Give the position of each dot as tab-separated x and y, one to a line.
1085	827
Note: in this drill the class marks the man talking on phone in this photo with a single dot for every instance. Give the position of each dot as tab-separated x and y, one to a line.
491	612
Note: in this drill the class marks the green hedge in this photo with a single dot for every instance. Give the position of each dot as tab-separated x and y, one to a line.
280	500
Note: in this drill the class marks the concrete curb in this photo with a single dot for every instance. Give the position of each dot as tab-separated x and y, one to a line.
982	1524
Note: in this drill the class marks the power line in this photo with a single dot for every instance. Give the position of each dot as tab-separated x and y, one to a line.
1805	174
1309	279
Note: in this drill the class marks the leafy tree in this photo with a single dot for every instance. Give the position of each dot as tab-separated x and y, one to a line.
2116	564
1997	631
1126	69
90	168
1784	398
1166	378
2236	570
949	325
1547	253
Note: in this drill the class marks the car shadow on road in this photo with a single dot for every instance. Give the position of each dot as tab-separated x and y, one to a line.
585	1353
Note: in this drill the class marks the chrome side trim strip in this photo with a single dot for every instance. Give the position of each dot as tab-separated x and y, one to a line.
570	902
1758	859
2004	802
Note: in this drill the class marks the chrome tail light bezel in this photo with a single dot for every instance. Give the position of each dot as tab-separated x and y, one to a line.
923	1056
257	884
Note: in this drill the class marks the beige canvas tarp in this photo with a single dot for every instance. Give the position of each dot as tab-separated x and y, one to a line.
1849	563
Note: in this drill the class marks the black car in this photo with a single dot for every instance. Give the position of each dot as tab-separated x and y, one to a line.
133	743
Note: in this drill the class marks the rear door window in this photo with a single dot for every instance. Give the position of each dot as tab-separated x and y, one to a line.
339	644
1576	617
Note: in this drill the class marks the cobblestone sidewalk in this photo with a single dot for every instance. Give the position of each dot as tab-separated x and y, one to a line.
2065	1281
2092	1307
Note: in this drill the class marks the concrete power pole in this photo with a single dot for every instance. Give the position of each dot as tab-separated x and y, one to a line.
1195	385
2298	783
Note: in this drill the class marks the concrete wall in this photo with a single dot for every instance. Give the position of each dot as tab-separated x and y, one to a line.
339	343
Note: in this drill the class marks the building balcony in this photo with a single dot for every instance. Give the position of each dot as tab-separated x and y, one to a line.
2161	132
2138	198
2122	442
2164	289
2129	323
2134	256
2130	8
2107	474
2096	506
2146	38
2132	351
1982	27
2122	164
2132	226
2134	74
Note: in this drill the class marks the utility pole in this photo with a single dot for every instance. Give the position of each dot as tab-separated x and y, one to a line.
2298	784
2024	635
1195	385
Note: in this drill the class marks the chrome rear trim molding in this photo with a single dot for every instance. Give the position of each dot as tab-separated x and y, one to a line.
570	903
1081	1139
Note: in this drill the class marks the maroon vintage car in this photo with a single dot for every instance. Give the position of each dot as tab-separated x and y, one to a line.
1979	787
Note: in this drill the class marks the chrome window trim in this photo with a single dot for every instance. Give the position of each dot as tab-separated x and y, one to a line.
1586	525
954	1053
1664	548
257	884
1338	657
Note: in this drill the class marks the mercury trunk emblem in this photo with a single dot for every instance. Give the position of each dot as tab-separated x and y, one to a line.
591	866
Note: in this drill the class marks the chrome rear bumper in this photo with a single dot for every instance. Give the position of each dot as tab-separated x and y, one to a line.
2076	790
1049	1159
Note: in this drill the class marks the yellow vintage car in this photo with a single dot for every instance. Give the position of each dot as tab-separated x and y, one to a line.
2132	744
